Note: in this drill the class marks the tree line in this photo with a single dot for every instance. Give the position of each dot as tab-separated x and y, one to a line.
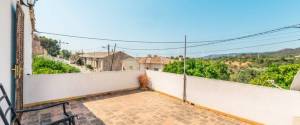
257	71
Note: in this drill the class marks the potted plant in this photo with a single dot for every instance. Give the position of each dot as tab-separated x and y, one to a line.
144	81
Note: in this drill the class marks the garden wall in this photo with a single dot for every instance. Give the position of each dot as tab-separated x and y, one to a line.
261	104
39	88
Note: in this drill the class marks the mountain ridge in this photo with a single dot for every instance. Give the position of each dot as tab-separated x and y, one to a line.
278	53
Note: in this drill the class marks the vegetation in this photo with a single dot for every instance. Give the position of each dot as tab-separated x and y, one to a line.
144	81
42	65
90	67
65	54
79	62
283	75
250	68
201	68
51	45
245	75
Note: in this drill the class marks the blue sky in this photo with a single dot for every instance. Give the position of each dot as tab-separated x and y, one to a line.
169	20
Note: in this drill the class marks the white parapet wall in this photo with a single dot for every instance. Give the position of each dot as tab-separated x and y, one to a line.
39	88
265	105
168	83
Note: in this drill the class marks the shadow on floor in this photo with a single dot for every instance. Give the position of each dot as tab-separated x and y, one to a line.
85	117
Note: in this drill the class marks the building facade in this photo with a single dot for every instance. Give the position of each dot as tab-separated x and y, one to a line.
130	64
155	63
102	61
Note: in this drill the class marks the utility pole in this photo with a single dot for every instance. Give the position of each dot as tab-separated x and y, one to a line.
108	46
81	54
112	59
184	72
94	64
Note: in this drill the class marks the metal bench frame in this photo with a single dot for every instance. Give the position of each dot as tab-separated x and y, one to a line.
68	119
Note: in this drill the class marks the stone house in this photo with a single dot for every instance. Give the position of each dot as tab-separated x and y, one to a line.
102	61
155	63
130	64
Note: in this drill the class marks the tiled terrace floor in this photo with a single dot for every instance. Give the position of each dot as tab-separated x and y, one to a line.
134	108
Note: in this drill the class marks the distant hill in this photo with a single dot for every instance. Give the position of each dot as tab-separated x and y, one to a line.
284	52
279	53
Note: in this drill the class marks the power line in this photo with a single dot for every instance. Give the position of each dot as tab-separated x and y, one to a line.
257	34
283	35
218	41
103	39
246	47
208	41
192	46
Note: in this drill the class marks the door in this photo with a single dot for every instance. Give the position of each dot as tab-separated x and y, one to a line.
18	68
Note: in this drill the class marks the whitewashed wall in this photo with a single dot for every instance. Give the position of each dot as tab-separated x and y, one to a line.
7	10
7	34
168	83
262	104
38	88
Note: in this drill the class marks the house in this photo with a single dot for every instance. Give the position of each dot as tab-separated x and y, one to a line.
94	59
155	63
102	61
130	64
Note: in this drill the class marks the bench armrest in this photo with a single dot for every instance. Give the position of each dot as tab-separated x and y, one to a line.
63	104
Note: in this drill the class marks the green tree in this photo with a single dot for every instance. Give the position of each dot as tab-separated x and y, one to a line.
245	75
283	75
51	45
90	67
201	68
66	54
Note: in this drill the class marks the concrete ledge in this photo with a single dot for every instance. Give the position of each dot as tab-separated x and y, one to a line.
75	98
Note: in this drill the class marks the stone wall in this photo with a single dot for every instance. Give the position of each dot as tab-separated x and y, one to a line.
117	63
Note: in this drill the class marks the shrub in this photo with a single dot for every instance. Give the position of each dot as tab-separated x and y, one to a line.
43	65
66	54
245	75
89	67
201	68
144	81
283	75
